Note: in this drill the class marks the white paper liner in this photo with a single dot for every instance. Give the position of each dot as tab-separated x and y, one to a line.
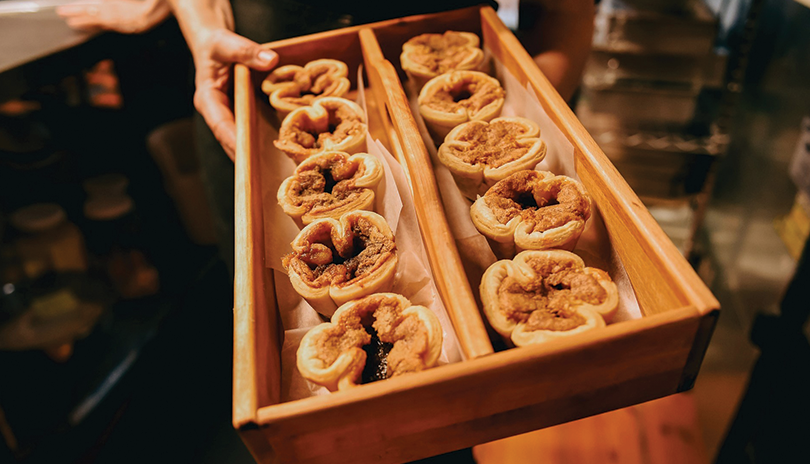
593	246
413	278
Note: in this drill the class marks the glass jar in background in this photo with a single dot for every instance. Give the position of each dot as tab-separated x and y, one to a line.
47	295
49	314
113	233
106	185
48	241
12	302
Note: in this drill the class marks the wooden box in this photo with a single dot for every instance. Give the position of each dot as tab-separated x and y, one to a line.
489	395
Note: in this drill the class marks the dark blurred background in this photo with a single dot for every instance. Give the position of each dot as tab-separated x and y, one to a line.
115	309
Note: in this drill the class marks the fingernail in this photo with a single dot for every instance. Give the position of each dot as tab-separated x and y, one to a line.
267	56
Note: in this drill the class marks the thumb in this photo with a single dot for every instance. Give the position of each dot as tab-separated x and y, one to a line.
234	48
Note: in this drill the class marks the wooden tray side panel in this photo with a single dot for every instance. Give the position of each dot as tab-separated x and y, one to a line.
431	442
662	278
257	355
474	391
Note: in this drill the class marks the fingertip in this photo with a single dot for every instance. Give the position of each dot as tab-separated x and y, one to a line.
268	58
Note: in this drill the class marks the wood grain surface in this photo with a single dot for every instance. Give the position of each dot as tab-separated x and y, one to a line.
665	431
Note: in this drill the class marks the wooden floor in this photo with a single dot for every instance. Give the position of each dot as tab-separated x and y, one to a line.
665	431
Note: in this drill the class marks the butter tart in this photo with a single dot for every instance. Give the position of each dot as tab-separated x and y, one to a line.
373	338
329	185
480	153
532	210
337	260
428	55
329	124
291	87
456	97
543	295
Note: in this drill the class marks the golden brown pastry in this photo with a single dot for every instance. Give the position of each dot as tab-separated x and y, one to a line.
456	97
543	295
291	87
334	261
481	153
329	185
373	338
532	210
329	124
428	55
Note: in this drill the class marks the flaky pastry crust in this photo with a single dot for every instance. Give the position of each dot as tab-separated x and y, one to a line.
329	185
337	260
331	354
329	124
532	210
428	55
481	153
291	87
543	295
456	97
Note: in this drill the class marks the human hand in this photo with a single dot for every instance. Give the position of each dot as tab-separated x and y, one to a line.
213	58
124	16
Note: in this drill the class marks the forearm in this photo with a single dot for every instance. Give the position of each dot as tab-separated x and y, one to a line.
560	42
208	28
198	19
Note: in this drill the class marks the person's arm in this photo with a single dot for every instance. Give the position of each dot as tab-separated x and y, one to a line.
560	40
207	26
124	16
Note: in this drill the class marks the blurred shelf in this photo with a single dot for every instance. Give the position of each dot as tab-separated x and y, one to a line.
684	28
58	411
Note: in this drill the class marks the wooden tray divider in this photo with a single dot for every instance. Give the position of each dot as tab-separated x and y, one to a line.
373	54
445	262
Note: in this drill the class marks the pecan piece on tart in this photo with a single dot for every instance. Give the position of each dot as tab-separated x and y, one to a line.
428	55
532	210
373	338
329	124
291	87
543	295
456	97
480	153
337	260
329	185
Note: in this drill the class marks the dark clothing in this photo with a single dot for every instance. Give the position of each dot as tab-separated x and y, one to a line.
270	20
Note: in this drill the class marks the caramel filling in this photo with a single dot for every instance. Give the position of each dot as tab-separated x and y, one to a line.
515	196
394	344
343	123
322	264
328	185
493	145
472	95
548	302
439	52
